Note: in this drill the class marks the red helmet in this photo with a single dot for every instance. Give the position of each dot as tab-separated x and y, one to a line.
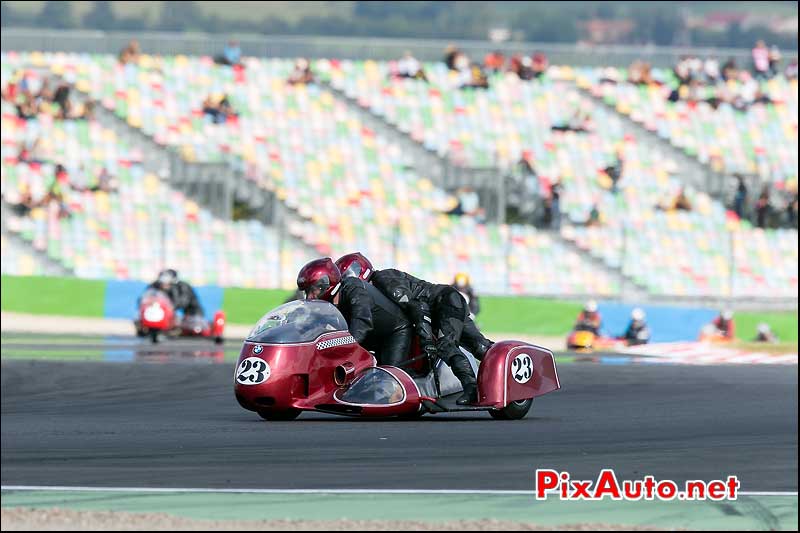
355	265
319	279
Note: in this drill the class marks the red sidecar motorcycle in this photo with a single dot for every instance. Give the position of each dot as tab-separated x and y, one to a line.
157	316
300	356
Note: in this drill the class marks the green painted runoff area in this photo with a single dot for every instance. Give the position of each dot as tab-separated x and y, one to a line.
502	314
748	512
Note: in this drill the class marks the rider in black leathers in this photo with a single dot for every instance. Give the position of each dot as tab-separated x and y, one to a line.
376	323
181	293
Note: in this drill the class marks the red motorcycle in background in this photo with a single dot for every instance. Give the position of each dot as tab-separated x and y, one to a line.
157	316
301	356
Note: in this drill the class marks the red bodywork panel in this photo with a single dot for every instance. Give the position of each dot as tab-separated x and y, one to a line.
302	376
157	312
514	370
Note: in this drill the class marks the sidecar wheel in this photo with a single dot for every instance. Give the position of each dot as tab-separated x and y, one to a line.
276	416
512	411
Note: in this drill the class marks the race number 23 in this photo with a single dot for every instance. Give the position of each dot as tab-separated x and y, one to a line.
252	371
522	368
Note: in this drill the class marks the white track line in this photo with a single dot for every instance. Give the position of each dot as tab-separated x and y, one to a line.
313	491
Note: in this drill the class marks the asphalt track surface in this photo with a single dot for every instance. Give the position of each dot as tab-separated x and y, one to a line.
177	425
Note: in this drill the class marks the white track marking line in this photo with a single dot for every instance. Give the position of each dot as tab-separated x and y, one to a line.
315	491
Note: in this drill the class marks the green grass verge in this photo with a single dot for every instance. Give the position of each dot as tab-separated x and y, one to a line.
246	306
532	316
499	314
783	324
53	296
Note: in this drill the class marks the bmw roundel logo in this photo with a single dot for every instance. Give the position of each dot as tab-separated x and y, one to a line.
257	349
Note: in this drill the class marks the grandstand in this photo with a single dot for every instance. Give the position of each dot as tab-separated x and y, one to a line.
344	186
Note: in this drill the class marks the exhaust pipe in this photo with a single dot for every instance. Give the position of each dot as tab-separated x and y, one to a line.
344	374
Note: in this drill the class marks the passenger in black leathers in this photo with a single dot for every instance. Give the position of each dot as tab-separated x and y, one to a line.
441	319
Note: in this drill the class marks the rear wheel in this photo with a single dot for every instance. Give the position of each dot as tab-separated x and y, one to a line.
218	340
154	336
512	411
275	416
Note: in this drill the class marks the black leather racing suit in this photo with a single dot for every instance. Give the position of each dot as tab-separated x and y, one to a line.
182	296
376	323
439	313
637	333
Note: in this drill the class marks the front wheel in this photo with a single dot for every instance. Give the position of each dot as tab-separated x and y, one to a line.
276	416
154	336
218	340
513	411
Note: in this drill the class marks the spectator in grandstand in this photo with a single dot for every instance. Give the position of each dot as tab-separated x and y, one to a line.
409	67
539	64
740	198
725	325
468	203
225	108
681	201
26	106
711	70
105	183
639	73
760	55
302	73
614	170
87	112
765	334
450	55
525	164
130	54
730	70
30	153
791	70
791	210
774	60
45	93
62	100
579	122
462	284
594	216
479	78
763	207
494	61
210	109
55	192
555	204
231	55
589	318
681	71
522	66
637	332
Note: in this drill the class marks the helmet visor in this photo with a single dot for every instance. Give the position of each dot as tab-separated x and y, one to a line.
315	291
353	270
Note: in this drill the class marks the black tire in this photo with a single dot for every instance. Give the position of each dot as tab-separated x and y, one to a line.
218	340
154	336
513	411
276	416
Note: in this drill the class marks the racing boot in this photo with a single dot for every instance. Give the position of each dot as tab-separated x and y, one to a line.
463	371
